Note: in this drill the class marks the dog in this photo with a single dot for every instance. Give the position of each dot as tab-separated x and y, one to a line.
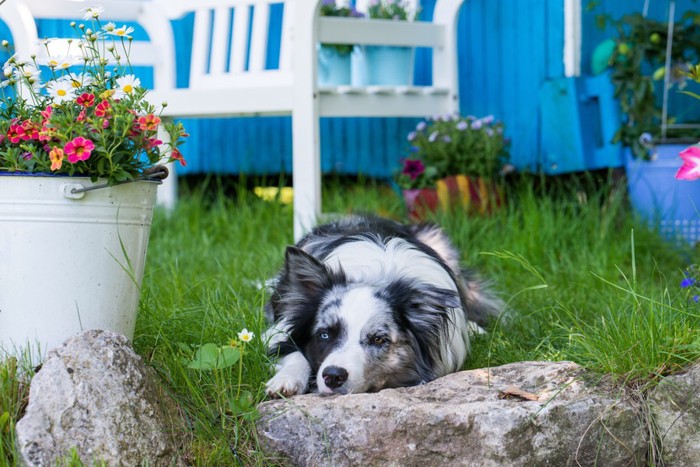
366	303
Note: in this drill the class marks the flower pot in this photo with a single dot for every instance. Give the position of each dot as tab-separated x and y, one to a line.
471	195
333	67
474	195
382	65
420	202
70	261
671	205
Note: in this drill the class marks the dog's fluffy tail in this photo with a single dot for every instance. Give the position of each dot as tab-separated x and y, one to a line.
483	305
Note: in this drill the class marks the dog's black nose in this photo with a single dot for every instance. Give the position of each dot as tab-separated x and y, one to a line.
334	376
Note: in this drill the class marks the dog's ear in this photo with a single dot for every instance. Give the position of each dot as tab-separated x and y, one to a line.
307	272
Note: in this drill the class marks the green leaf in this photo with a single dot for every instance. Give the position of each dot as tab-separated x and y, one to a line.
228	357
205	358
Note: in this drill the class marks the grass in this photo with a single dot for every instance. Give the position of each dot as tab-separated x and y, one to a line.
583	281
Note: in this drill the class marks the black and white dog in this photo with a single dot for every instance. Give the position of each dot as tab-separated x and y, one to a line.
365	303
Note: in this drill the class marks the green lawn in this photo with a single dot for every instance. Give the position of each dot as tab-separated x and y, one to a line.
576	287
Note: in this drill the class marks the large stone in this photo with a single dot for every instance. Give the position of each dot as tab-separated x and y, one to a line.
675	408
95	396
479	417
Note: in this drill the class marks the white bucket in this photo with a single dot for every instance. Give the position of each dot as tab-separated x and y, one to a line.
69	261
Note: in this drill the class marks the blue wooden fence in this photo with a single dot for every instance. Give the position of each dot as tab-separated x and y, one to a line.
508	50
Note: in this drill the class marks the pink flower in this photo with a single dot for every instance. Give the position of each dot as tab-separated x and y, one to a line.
15	134
690	170
78	149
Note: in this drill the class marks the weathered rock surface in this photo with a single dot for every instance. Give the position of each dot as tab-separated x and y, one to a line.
95	395
467	418
675	408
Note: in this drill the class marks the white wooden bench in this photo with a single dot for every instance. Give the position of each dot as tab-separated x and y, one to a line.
228	75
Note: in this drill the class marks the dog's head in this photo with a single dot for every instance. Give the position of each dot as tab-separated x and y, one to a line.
361	337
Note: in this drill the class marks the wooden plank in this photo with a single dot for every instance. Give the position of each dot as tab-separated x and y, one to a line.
333	30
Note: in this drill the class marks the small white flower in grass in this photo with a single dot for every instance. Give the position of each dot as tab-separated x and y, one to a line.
245	335
93	13
60	91
127	84
8	71
123	31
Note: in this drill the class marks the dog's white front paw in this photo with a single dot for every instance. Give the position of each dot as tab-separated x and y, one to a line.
285	385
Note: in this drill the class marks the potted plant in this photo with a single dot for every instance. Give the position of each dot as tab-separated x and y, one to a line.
454	164
385	65
78	154
334	59
649	61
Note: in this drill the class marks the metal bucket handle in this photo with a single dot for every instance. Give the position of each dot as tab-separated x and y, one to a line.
157	173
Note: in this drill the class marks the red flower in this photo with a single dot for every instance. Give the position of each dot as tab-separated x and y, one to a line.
413	168
86	100
81	116
176	155
30	130
78	150
103	109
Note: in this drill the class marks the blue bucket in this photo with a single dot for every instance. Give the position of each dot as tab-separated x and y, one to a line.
659	198
382	65
333	67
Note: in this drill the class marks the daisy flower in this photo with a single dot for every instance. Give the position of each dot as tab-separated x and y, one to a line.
123	32
77	80
60	91
126	84
93	13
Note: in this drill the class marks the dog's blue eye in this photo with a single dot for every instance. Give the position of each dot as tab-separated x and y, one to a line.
323	336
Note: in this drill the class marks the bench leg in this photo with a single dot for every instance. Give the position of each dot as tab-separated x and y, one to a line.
166	196
306	167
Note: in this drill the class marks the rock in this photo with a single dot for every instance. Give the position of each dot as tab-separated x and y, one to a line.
675	408
95	395
479	417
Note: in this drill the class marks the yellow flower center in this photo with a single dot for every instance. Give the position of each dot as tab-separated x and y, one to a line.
128	88
61	92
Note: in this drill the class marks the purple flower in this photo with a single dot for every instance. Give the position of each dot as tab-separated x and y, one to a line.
687	282
411	136
446	139
414	149
696	298
26	156
433	136
477	125
328	3
413	168
421	126
462	125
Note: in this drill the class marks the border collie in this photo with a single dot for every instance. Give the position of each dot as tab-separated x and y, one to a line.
365	303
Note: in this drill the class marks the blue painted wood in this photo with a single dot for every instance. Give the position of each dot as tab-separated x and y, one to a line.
508	50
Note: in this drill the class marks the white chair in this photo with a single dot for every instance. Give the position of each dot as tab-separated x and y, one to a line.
222	85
